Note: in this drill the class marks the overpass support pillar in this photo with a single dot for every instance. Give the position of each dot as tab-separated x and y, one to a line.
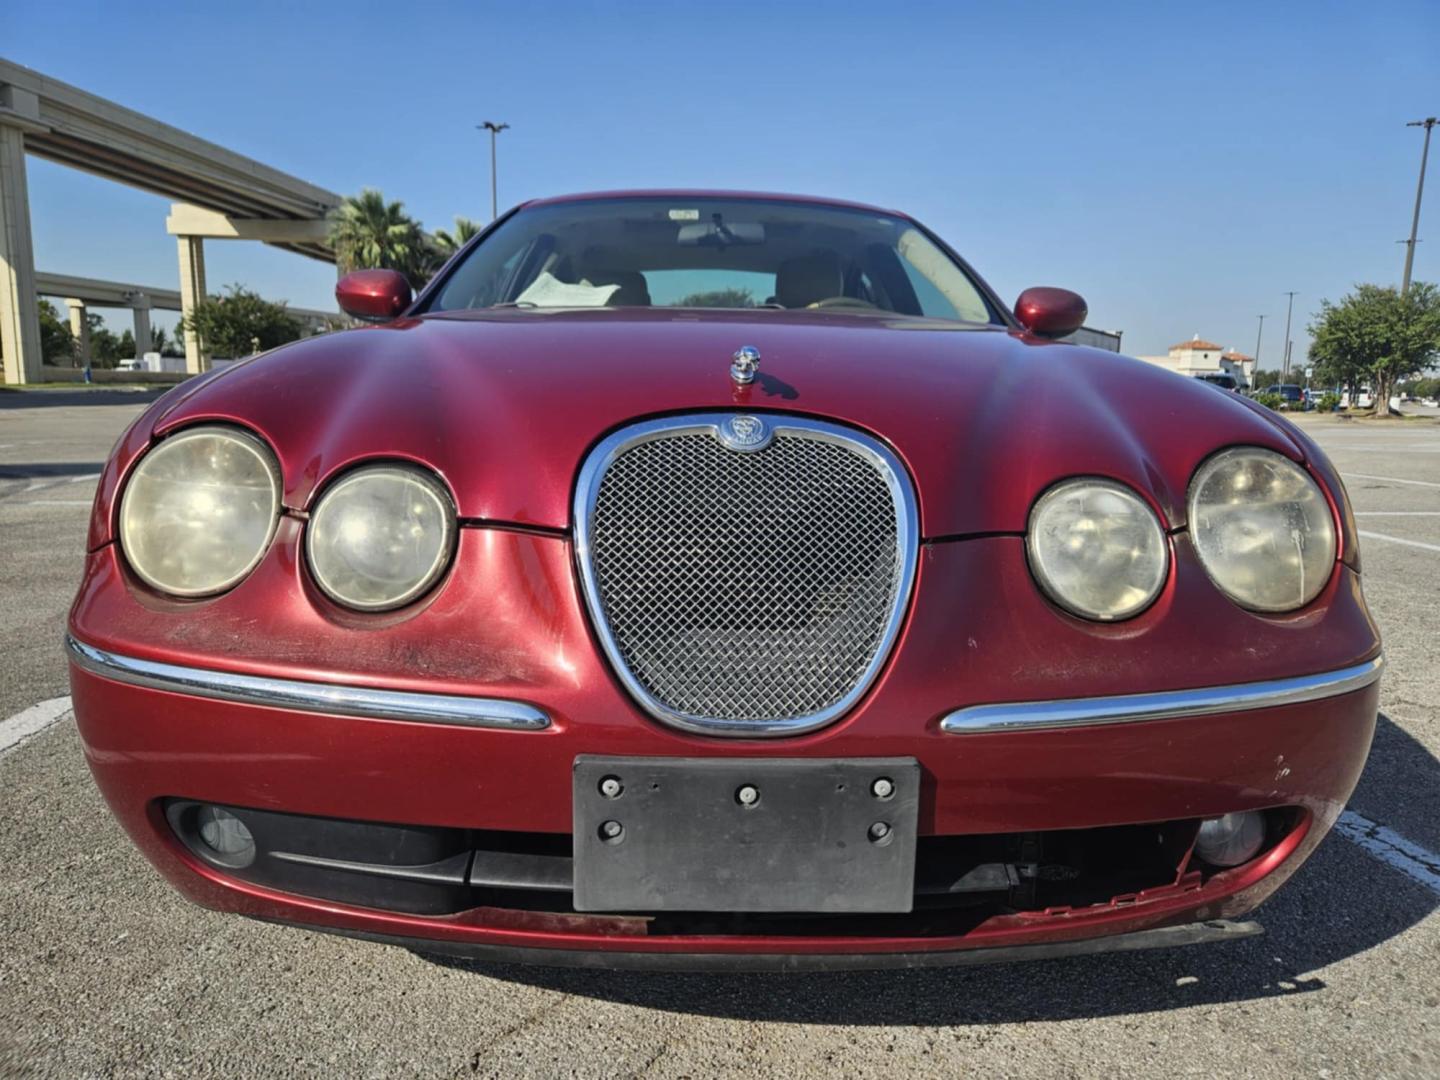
192	292
19	304
80	331
144	342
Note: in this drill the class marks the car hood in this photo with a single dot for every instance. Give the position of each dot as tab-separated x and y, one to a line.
505	404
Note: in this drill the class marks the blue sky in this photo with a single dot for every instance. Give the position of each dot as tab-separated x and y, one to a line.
1181	165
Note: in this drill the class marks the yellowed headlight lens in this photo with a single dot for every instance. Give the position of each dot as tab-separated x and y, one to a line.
1097	549
1262	528
199	510
380	537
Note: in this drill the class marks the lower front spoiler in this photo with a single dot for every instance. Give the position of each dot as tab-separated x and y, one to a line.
1165	937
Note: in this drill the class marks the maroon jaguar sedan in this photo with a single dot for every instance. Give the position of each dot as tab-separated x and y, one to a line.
703	579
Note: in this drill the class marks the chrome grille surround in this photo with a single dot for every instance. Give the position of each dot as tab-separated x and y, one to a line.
776	613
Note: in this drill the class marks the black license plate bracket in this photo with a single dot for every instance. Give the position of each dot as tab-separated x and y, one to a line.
823	835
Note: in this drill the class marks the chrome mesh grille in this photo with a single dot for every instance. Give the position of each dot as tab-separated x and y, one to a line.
746	587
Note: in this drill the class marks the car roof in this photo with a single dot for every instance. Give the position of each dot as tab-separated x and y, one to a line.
705	193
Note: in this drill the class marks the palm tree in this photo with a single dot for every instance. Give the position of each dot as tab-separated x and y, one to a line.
449	243
369	233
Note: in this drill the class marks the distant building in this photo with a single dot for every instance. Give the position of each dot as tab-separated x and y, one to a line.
1200	357
1238	364
1108	340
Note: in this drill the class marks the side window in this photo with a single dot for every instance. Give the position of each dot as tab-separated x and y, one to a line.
941	287
932	301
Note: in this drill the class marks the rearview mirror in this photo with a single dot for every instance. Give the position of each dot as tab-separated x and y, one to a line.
1049	312
373	295
720	234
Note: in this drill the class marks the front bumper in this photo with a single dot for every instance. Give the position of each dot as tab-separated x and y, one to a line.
469	714
148	745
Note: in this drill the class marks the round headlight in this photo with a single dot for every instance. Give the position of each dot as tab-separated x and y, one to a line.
199	510
380	537
1262	528
1097	549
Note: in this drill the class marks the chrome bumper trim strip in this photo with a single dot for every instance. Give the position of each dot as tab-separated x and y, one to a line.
1167	705
308	696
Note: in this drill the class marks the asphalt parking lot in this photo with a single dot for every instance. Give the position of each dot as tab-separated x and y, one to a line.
105	971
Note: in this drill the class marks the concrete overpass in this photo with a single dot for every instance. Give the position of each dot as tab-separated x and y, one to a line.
80	294
222	195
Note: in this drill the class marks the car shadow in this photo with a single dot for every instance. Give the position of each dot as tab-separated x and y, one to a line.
1341	903
51	399
49	470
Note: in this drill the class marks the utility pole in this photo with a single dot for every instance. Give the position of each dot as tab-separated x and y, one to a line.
1258	333
494	129
1285	343
1428	123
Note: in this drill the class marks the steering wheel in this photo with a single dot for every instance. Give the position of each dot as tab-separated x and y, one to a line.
842	301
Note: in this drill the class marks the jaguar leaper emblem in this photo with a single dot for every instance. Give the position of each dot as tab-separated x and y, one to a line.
744	432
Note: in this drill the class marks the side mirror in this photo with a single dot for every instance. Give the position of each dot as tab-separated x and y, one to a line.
373	295
1049	312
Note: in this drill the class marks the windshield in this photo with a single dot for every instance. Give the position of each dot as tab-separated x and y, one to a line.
712	253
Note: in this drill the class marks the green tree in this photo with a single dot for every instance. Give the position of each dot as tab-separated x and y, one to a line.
1261	380
447	243
165	344
106	347
718	298
1375	334
57	346
239	323
369	233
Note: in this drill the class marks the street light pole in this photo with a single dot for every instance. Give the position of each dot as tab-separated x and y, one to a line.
1428	123
1259	332
494	129
1285	342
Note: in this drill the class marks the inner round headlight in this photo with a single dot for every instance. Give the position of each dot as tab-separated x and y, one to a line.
1262	528
1097	549
199	510
380	537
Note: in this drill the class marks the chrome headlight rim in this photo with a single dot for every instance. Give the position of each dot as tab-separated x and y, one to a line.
242	436
1033	555
445	553
1215	461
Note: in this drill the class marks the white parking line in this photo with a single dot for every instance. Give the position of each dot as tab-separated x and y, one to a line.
1388	479
31	722
54	502
1390	847
1398	540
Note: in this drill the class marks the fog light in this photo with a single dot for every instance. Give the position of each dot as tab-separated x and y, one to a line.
225	835
1231	839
